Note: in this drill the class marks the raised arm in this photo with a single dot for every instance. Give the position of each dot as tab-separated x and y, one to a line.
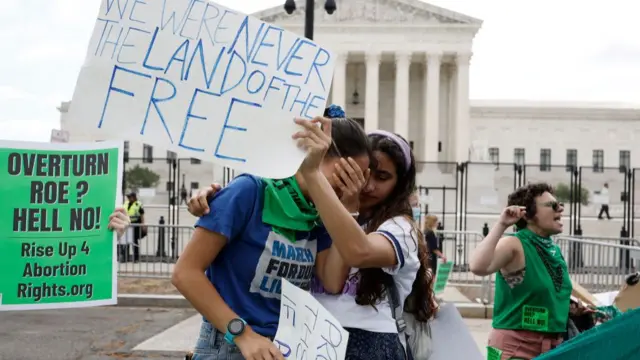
495	251
356	247
331	268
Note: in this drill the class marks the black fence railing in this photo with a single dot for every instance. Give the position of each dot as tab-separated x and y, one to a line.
466	196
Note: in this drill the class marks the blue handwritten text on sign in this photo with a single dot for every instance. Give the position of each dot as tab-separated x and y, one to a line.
306	330
203	80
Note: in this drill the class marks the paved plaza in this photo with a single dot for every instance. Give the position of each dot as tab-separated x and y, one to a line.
116	333
182	336
102	333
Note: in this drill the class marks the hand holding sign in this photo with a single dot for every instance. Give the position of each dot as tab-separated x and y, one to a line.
314	140
119	221
257	347
307	330
58	252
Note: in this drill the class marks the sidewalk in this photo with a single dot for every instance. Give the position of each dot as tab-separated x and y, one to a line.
181	337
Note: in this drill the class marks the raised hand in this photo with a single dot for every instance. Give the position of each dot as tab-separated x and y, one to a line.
315	140
511	214
350	180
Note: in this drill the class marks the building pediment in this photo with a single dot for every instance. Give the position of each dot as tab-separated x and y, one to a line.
396	12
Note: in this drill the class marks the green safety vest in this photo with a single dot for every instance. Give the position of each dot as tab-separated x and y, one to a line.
133	211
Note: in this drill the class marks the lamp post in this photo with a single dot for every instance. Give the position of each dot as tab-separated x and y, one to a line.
290	7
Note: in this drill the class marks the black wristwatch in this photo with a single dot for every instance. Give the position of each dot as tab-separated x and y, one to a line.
235	328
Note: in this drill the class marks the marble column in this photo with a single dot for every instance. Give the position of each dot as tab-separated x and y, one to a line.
463	129
401	119
432	106
339	95
372	90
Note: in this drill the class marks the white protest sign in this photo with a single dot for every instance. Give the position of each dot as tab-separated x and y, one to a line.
201	80
306	329
451	337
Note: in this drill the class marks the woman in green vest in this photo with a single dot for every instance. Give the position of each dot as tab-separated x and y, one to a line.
532	286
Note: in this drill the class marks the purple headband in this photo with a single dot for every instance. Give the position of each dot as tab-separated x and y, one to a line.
406	150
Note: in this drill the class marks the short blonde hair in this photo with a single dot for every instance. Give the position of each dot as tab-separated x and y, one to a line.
430	222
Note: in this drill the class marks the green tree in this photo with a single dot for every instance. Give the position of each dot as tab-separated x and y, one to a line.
140	177
563	193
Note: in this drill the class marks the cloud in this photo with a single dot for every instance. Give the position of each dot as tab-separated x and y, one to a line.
27	129
9	93
52	51
617	53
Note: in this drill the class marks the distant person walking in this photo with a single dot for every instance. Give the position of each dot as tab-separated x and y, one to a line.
604	199
183	195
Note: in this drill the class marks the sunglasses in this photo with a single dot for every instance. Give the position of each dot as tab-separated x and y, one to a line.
553	205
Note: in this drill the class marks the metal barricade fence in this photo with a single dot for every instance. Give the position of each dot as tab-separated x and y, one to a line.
598	266
153	255
457	247
609	240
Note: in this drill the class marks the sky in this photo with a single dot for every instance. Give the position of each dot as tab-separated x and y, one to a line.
558	50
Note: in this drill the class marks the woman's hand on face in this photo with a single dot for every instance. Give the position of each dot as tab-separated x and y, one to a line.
119	221
315	140
257	347
350	180
199	203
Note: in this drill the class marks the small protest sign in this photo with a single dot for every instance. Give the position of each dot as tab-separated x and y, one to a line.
306	329
442	277
202	80
56	250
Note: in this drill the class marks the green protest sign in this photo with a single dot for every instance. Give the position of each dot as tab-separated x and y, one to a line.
442	276
55	248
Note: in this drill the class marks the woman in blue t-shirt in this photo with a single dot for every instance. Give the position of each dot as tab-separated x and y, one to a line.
259	231
387	254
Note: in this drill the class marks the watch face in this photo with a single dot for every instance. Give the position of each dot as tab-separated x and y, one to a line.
235	327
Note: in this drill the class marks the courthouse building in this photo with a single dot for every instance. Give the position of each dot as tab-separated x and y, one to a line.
403	66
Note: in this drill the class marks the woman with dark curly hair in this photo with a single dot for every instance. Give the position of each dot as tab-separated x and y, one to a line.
533	287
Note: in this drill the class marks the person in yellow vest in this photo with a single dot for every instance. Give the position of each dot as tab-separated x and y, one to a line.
134	209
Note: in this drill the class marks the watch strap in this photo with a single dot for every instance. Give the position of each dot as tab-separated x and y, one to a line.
228	336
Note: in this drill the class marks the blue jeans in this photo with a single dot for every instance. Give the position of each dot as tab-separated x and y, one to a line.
211	345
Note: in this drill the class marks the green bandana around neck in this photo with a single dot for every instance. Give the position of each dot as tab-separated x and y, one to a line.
545	244
286	209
